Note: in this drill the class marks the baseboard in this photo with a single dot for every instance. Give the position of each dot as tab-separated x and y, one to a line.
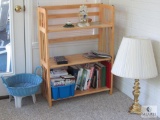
4	97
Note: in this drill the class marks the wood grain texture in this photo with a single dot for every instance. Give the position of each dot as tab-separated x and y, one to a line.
70	15
75	60
58	28
69	39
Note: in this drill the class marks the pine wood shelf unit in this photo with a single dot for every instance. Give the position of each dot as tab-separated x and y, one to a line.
105	23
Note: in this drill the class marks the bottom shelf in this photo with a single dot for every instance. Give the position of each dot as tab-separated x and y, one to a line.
90	91
86	92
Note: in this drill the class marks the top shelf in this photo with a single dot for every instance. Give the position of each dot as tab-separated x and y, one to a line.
104	14
58	28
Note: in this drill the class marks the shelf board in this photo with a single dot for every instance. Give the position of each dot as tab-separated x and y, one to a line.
58	28
75	60
87	92
90	91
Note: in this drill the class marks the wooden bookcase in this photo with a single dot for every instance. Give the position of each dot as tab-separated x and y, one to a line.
105	24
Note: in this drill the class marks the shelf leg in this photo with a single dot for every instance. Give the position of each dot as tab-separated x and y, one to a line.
50	103
110	92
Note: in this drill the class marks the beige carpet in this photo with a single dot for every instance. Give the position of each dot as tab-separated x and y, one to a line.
101	106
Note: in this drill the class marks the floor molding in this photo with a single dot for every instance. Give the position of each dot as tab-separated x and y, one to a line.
4	97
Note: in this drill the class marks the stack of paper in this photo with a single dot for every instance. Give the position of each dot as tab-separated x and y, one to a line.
55	73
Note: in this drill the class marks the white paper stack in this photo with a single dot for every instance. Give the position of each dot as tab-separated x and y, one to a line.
55	73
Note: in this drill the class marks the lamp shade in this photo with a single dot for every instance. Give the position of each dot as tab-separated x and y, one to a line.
135	59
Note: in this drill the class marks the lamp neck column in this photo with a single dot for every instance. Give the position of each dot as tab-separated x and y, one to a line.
136	91
136	108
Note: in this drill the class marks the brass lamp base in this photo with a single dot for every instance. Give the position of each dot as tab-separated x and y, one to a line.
136	108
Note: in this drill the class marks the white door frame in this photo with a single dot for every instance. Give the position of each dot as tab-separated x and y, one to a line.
18	59
29	33
16	34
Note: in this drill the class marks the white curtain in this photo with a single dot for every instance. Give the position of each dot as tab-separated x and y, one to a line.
4	7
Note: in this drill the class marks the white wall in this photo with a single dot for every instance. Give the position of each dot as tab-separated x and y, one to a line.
63	48
139	18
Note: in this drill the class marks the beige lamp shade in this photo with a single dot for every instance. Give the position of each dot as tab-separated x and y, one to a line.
135	59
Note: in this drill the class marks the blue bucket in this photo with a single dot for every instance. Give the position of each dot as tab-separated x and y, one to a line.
61	92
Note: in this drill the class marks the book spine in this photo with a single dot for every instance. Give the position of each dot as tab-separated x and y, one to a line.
90	77
108	73
87	79
94	79
103	76
83	79
78	81
99	77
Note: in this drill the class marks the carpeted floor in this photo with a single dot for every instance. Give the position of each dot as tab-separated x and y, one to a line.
101	106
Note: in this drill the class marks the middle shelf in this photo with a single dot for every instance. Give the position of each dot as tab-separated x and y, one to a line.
75	60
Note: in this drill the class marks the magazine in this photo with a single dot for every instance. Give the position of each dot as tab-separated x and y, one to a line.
96	54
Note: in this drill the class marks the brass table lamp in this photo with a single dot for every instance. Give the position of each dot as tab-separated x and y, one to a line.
135	60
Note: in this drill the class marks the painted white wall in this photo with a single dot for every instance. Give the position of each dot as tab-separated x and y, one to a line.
105	1
62	48
139	18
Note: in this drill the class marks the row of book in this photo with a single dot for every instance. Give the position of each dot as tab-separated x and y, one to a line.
86	76
93	75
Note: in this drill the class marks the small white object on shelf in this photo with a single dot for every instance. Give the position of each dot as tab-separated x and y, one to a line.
57	73
82	24
83	16
69	23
